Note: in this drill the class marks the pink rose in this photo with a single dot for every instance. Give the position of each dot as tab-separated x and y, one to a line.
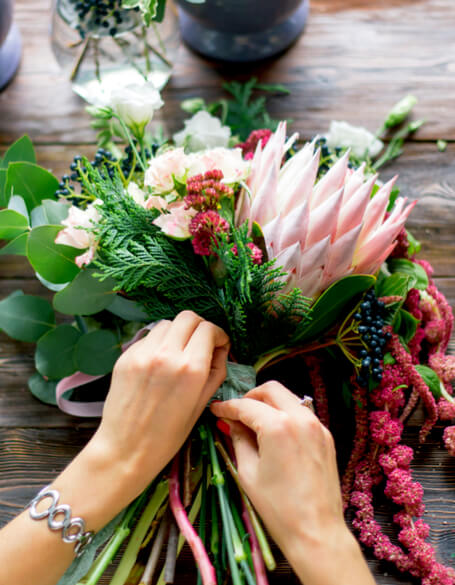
162	169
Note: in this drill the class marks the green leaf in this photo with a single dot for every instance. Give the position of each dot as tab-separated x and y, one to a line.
128	310
2	187
333	304
49	213
414	244
17	247
54	262
18	204
431	379
20	151
389	360
397	284
412	269
405	325
96	352
12	224
30	181
25	317
42	389
86	295
54	352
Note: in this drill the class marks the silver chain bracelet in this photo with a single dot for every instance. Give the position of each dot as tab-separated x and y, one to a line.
73	529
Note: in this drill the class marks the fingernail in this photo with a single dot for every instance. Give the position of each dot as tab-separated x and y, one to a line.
215	401
223	427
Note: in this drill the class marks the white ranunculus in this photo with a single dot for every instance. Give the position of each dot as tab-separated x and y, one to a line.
360	140
201	132
136	104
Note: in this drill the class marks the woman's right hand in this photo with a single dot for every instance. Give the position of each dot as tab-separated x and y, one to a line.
287	466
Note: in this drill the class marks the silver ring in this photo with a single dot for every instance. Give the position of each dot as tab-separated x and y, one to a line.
308	402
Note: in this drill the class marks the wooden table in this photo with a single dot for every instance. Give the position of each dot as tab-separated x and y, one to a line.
356	58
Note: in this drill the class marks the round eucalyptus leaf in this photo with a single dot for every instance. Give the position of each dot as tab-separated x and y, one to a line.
54	262
96	352
42	389
54	357
26	317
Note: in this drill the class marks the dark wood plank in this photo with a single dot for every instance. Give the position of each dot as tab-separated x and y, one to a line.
355	59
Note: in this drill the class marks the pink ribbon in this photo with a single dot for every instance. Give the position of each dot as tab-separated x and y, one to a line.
87	409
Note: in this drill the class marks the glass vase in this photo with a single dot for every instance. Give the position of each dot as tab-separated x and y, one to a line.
111	47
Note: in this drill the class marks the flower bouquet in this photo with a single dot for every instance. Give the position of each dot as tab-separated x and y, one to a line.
300	253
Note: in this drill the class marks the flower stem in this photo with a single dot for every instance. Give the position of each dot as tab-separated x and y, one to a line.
131	552
130	140
186	528
218	481
191	518
256	524
120	534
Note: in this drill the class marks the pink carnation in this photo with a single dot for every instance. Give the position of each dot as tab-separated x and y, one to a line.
203	228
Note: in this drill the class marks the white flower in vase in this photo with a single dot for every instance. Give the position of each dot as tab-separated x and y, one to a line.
136	104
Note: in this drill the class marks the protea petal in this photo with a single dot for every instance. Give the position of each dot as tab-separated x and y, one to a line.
301	186
294	226
265	205
312	283
353	182
352	211
314	257
288	258
341	253
332	181
375	212
272	236
324	219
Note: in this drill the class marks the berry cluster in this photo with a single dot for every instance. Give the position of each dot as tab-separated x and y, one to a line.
371	322
127	161
103	158
107	14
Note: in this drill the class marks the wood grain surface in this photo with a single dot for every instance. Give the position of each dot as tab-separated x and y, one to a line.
355	59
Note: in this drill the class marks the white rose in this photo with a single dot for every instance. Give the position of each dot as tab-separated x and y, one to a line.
360	140
202	131
162	169
228	160
136	104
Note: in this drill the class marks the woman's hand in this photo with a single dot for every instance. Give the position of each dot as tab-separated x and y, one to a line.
287	466
159	388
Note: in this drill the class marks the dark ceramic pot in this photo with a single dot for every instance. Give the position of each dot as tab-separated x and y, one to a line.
241	30
10	43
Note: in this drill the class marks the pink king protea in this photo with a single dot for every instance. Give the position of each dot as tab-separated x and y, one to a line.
318	231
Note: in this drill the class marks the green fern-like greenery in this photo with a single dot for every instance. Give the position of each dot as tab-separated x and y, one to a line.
165	275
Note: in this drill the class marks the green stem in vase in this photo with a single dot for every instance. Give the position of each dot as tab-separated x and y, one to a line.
148	65
80	58
134	545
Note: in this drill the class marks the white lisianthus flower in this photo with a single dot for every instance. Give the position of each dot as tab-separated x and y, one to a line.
202	131
360	140
136	104
228	160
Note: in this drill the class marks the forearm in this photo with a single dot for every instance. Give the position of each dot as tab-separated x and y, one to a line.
94	488
334	561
